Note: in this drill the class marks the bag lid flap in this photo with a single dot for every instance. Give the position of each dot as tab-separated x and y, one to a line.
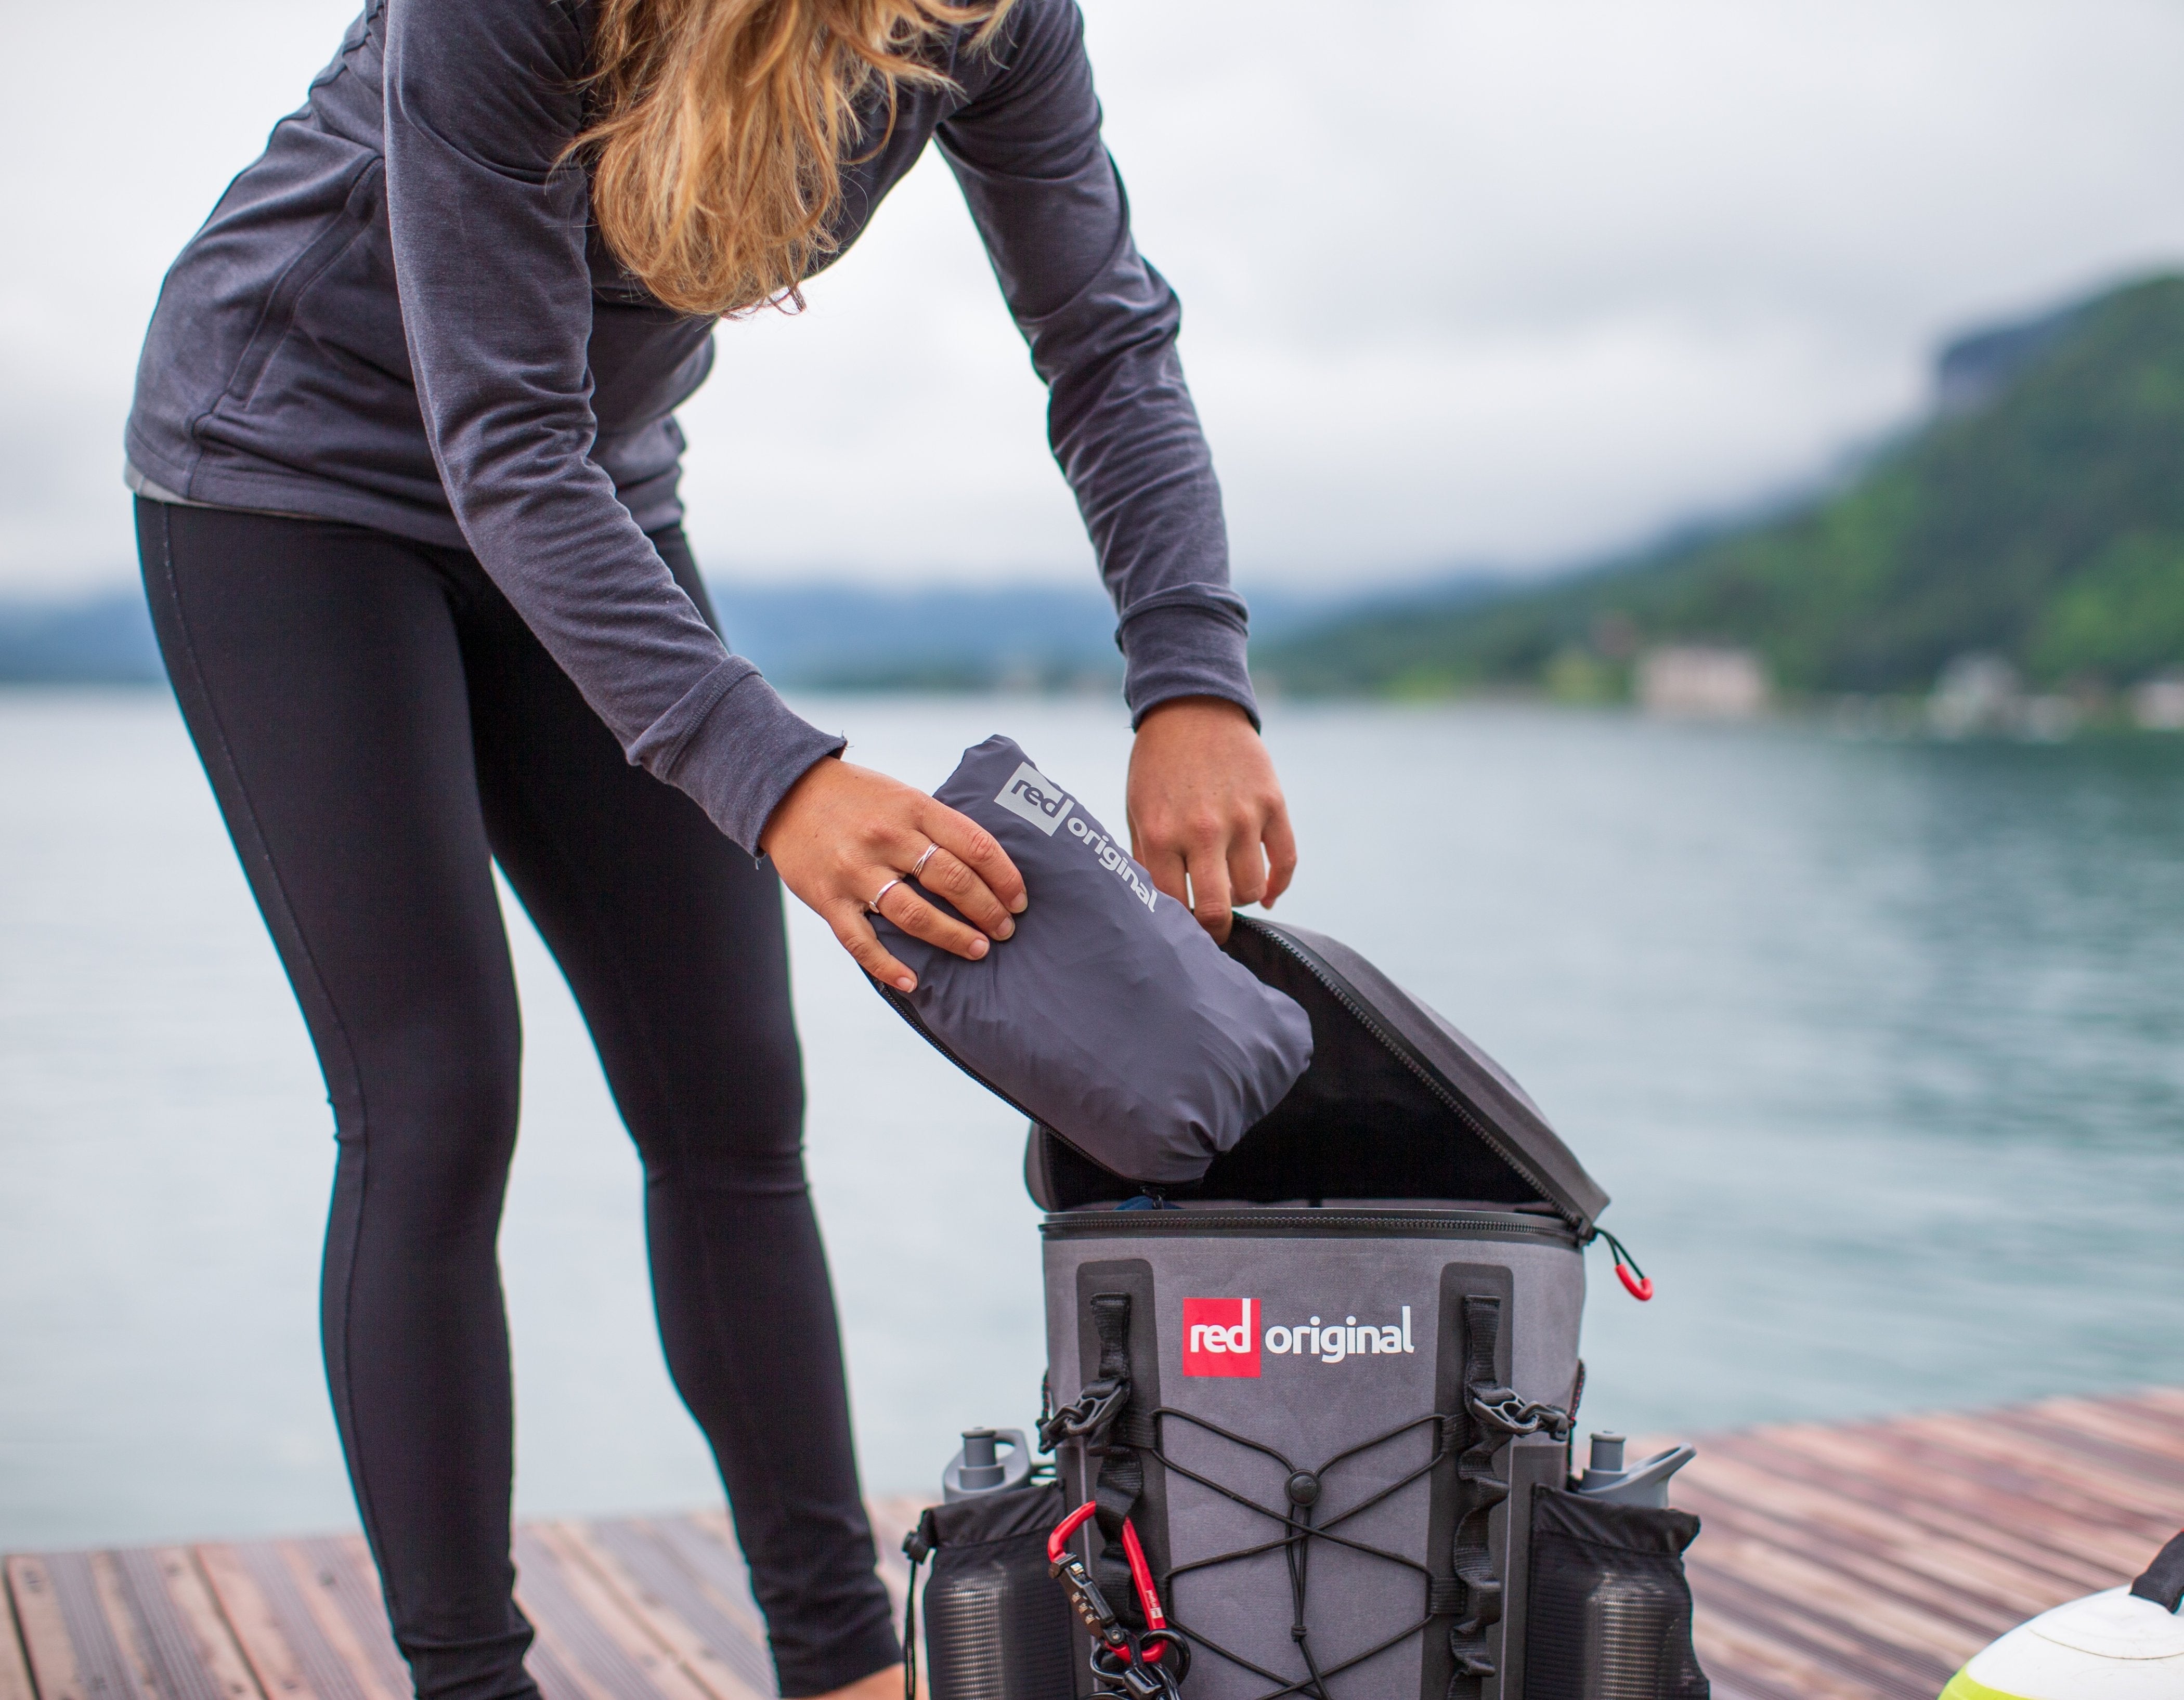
1397	1103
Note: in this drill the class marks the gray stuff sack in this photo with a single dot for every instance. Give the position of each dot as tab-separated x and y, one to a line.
1110	1016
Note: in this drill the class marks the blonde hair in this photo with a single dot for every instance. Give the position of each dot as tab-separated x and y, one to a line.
717	147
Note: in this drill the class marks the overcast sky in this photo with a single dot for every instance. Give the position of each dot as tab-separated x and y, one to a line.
1465	283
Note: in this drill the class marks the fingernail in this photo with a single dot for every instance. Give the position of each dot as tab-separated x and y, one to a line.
1022	903
978	946
1005	930
907	982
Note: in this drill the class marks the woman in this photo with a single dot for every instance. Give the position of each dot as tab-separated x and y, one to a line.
406	466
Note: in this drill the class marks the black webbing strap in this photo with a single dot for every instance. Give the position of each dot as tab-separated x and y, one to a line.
1122	1480
1478	1491
916	1546
2163	1581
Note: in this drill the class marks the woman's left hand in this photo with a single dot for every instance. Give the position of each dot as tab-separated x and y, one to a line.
1205	805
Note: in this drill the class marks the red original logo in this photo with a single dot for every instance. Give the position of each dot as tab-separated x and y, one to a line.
1220	1336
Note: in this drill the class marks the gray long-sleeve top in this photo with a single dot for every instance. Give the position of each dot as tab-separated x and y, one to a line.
401	316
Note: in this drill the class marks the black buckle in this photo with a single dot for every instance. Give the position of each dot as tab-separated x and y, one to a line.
1500	1407
1093	1410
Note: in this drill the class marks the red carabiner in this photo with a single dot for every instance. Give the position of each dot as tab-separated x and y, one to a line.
1059	1557
1141	1574
1057	1543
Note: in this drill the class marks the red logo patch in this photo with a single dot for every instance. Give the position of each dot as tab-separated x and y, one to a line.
1220	1336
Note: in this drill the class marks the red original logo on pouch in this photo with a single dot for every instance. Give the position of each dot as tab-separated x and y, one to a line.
1220	1336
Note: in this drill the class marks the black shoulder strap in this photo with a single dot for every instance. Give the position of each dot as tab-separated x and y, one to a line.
2163	1581
917	1546
1480	1491
1493	1414
1122	1480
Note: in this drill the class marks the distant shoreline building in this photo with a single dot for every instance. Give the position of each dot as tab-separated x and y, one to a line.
1697	681
2158	705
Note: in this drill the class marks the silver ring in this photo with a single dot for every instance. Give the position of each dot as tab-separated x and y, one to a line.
919	866
873	907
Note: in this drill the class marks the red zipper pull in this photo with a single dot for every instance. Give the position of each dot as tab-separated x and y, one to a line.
1635	1281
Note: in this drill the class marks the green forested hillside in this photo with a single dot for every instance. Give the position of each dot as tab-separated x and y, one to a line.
2040	516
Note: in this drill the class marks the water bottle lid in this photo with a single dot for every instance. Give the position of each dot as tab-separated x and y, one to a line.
979	1467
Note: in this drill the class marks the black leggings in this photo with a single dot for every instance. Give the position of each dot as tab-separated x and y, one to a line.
379	725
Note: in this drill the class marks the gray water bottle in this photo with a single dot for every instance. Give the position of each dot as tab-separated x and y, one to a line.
979	1467
1611	1611
997	1625
1606	1478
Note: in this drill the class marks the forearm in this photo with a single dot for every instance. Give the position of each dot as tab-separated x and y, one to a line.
1102	324
488	223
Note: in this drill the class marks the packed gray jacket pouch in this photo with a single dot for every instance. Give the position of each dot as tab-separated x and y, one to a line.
1326	1380
1110	1016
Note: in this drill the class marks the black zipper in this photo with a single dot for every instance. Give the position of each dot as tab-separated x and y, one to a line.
1107	1224
1340	990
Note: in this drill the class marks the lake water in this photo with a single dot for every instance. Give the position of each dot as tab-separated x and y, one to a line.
1880	1047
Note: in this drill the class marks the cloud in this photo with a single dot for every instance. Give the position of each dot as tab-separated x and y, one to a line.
1464	282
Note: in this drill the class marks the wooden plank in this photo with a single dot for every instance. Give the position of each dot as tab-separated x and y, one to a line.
296	1639
2128	1420
1873	1558
103	1662
608	1652
342	1584
715	1633
1961	1516
135	1650
167	1629
2111	1445
2069	1472
1885	1626
15	1667
1864	1564
1833	1659
1735	1655
258	1630
1898	1617
706	1544
199	1624
314	1587
1956	1551
1977	1466
2160	1402
46	1643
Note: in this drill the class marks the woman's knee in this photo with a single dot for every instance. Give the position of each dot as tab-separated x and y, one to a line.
750	1143
433	1112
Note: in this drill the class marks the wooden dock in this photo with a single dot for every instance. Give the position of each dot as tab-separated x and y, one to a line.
1846	1562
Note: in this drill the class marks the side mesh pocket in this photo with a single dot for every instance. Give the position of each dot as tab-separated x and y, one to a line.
997	1626
1610	1613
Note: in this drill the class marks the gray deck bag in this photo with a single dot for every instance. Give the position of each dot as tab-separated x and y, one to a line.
1325	1378
1110	1015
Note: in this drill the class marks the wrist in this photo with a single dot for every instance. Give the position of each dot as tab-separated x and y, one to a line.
1194	649
798	788
1191	707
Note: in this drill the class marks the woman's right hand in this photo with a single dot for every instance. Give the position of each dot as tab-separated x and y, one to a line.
843	832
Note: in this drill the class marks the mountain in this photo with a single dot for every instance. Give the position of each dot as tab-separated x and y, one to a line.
819	635
104	639
2037	515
